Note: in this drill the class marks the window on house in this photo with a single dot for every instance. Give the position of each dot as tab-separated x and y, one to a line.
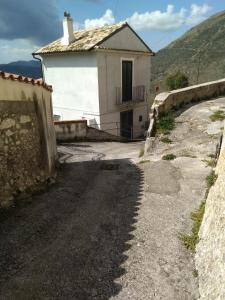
127	80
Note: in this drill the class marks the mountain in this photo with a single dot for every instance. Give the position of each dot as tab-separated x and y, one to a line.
30	68
199	53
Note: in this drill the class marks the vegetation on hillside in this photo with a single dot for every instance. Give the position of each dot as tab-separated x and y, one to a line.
176	80
200	54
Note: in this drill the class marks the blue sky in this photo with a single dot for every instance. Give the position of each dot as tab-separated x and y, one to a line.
32	24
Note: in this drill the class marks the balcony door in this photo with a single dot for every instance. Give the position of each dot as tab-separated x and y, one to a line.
127	80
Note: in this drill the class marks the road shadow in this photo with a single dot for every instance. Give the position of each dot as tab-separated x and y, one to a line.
71	241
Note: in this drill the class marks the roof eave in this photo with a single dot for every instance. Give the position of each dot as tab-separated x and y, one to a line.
101	49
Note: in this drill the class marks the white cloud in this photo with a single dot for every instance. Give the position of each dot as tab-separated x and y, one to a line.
167	20
18	49
158	20
106	19
197	13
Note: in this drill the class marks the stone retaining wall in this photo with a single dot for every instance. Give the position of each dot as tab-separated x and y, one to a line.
164	102
210	253
27	138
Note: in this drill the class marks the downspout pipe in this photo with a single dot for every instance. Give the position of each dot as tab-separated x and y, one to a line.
37	58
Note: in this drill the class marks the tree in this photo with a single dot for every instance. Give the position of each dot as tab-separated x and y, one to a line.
177	80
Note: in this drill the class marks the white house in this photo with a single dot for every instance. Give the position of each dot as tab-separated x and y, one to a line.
102	75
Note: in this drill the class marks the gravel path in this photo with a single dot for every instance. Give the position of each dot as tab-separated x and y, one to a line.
108	228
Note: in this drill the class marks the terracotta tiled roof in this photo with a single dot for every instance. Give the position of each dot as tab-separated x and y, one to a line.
16	77
85	40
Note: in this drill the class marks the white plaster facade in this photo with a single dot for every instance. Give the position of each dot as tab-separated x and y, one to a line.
85	82
74	78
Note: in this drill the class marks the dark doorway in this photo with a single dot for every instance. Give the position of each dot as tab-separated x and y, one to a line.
126	124
127	74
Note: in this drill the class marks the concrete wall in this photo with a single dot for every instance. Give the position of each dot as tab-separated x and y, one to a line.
210	254
27	139
110	77
74	78
70	130
78	130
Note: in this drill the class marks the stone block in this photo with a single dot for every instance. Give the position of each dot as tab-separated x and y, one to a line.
25	119
7	123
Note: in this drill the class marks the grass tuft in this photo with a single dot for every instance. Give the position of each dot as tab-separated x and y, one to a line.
166	140
211	179
169	157
141	152
166	123
212	155
218	115
144	161
190	240
195	273
211	163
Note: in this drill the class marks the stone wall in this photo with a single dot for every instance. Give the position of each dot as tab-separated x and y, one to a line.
164	102
210	252
27	137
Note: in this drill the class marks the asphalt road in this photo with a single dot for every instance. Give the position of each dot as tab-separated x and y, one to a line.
69	242
108	229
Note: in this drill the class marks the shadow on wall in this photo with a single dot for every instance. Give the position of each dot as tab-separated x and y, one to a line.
70	242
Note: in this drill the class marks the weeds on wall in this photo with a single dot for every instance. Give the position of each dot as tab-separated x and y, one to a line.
210	162
191	240
165	123
210	181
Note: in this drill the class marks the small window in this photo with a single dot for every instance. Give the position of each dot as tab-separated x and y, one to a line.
140	118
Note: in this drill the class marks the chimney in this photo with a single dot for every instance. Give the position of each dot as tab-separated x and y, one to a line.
68	35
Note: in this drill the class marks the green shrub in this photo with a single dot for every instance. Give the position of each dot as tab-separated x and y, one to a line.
177	80
166	123
169	156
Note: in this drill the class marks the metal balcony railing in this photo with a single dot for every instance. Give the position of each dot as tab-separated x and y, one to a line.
138	94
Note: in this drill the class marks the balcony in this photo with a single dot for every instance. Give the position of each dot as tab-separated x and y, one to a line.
138	95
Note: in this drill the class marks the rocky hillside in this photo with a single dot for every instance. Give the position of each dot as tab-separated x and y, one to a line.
199	53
